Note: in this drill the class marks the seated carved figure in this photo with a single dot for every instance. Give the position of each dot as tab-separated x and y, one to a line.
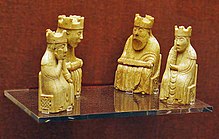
139	65
178	84
74	26
55	87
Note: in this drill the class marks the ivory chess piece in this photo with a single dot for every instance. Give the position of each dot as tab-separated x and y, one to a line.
139	65
178	84
56	92
74	26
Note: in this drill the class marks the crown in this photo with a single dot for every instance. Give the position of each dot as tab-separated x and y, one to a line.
182	31
54	37
71	22
144	22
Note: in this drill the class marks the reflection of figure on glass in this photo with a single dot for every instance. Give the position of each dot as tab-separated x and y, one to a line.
179	80
139	65
77	106
74	26
55	83
125	102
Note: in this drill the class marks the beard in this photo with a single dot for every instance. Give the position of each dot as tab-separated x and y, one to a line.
138	44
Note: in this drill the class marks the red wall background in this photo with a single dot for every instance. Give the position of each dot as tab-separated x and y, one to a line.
107	26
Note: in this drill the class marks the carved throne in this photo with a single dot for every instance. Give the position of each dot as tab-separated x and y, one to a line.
154	81
45	102
191	94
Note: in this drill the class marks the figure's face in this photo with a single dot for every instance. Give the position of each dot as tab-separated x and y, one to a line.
74	37
181	43
140	37
60	51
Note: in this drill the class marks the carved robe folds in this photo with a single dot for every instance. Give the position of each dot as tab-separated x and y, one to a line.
179	86
76	74
55	92
134	72
74	26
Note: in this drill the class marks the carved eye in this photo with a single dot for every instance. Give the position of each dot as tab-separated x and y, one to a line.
140	30
79	33
60	46
63	46
181	39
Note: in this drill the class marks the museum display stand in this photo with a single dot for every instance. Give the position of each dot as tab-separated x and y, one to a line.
102	102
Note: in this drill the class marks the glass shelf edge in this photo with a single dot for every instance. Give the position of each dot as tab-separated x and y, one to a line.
115	114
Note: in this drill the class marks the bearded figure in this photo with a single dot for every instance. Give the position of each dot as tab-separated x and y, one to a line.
139	65
178	84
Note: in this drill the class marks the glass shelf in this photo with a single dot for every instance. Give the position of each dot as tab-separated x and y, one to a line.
102	102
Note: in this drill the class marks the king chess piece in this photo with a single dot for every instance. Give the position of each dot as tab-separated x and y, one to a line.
55	83
178	84
74	26
139	65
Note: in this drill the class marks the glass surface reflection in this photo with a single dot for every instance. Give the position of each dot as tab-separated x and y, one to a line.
102	102
124	101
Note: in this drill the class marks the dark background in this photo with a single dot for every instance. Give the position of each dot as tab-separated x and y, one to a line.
107	26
